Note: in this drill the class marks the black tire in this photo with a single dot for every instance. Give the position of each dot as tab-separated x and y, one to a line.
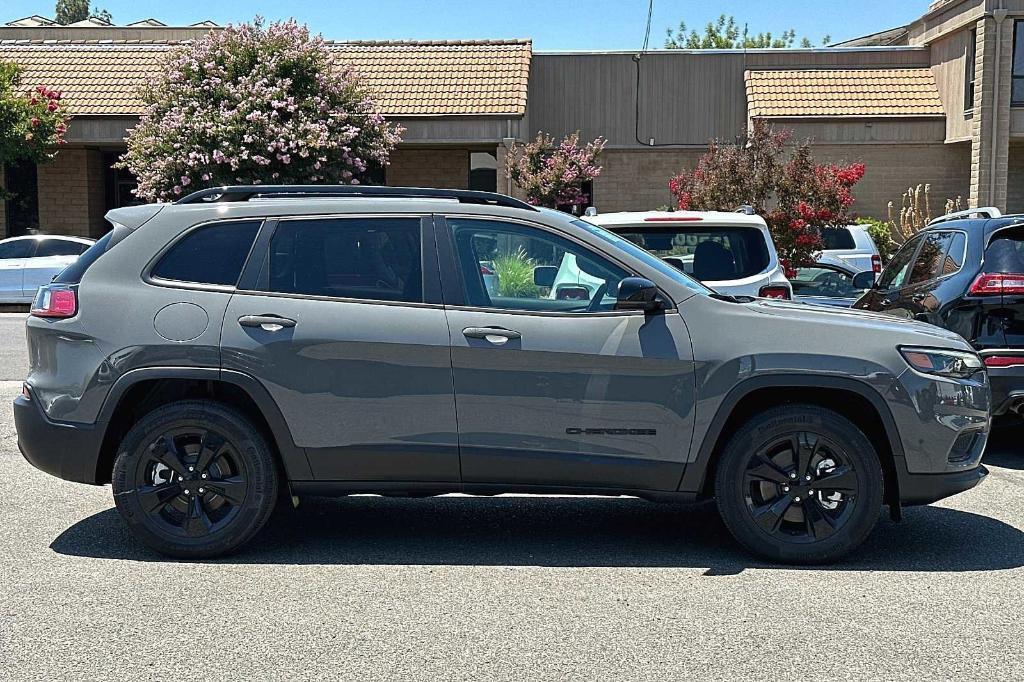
785	519
195	479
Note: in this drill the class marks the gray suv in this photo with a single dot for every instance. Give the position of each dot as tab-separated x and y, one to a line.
245	344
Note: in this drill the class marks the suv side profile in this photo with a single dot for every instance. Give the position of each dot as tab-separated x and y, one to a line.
205	357
965	272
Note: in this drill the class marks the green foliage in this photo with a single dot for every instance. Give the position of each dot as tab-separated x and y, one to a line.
71	11
726	34
881	233
515	275
32	122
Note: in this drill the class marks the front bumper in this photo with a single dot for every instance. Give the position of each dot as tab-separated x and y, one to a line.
917	489
68	451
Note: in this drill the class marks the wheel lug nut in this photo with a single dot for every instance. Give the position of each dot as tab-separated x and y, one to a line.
187	491
807	478
191	468
785	488
796	499
810	492
792	476
204	475
202	490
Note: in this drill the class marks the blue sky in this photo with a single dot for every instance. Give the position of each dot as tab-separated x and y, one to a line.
553	24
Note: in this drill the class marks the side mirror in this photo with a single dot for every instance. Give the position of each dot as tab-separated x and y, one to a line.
864	280
544	275
637	293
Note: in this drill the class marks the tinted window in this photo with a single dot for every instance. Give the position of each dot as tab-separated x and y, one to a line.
954	255
213	254
822	281
837	238
895	273
60	247
73	273
375	259
1005	253
929	262
524	268
708	255
20	248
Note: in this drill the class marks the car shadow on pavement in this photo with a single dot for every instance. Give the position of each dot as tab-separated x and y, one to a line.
558	532
1005	446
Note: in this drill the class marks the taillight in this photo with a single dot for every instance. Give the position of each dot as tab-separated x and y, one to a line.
55	301
996	283
876	264
774	291
1004	360
484	270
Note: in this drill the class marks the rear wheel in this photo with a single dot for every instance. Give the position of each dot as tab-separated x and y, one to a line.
194	479
799	484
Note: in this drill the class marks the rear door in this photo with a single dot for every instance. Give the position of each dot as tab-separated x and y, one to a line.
340	318
51	256
1005	257
554	386
13	256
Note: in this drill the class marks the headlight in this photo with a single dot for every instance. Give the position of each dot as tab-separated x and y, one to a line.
955	364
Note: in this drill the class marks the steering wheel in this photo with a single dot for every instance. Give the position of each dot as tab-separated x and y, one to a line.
598	298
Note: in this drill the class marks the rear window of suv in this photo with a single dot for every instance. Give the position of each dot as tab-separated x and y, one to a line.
1005	253
715	254
837	238
212	254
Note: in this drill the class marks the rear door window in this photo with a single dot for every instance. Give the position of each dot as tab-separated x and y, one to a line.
837	238
19	248
707	254
1005	253
211	254
59	247
372	259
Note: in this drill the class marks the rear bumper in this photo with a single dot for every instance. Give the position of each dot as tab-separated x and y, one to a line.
1007	388
68	451
917	489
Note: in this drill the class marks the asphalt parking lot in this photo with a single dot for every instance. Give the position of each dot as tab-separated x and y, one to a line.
503	588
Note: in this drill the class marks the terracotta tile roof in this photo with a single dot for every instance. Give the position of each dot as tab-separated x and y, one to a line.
848	92
451	78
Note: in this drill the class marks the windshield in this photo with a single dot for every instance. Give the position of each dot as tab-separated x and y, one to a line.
649	259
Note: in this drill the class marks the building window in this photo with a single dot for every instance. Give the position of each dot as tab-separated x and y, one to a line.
483	171
969	75
120	184
1017	97
22	182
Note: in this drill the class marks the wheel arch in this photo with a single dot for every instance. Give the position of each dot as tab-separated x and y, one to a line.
855	400
139	391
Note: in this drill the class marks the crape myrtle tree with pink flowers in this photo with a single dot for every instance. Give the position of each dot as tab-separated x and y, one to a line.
553	173
254	104
33	120
796	196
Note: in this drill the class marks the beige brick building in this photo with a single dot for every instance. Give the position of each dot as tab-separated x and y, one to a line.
940	101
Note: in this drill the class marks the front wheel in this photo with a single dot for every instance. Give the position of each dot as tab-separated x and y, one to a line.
799	484
194	479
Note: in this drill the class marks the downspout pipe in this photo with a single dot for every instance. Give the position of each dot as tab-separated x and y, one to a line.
999	15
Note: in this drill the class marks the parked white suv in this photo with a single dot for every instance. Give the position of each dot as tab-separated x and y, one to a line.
30	261
850	246
732	253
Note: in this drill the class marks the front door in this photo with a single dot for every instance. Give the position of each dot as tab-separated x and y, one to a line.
13	256
343	326
553	386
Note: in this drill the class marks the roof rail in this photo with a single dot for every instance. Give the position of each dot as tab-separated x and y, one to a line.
985	212
247	192
745	209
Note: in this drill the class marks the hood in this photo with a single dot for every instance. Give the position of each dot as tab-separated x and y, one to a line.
838	318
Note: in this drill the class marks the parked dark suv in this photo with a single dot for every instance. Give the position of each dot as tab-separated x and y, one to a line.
965	272
206	356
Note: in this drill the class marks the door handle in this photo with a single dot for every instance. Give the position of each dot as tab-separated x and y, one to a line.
919	298
269	323
497	335
888	301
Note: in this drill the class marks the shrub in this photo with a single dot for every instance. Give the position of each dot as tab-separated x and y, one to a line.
552	174
252	104
881	234
796	196
515	275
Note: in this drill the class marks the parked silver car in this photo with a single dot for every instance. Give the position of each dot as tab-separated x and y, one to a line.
27	263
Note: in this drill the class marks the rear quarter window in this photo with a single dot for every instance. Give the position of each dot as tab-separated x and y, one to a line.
211	254
707	254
